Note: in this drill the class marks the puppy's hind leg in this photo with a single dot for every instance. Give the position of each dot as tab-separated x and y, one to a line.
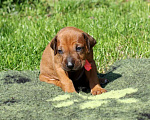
47	79
103	81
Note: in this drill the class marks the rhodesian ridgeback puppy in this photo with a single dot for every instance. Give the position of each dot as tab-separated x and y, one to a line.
69	58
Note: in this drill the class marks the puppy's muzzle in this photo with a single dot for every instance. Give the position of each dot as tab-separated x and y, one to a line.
70	63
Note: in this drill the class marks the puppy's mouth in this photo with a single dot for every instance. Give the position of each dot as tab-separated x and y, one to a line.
73	69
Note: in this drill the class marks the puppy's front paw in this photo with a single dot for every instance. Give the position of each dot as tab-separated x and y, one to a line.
68	89
97	90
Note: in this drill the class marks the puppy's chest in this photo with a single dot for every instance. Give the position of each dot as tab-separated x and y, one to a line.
75	76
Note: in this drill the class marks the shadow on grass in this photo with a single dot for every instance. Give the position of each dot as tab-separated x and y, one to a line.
110	76
10	79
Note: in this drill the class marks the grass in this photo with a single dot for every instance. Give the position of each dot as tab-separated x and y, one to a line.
122	29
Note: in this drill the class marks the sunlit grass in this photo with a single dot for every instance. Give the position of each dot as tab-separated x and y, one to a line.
120	28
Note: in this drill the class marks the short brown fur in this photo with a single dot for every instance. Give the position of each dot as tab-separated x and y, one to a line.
63	61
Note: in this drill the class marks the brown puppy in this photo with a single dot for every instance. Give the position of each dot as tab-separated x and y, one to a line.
69	58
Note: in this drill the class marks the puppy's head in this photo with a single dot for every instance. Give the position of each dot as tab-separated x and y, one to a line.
72	46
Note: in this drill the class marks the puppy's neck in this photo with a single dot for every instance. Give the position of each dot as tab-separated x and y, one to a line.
76	75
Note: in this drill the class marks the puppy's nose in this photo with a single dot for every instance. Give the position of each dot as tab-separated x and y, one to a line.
70	65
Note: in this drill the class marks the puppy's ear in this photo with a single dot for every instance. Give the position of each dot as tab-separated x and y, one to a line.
90	41
53	45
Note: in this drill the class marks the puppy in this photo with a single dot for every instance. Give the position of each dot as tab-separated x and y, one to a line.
69	58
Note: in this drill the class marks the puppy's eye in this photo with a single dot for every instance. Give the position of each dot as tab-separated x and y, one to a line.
60	51
78	49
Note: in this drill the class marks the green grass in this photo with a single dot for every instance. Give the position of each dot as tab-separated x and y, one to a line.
122	29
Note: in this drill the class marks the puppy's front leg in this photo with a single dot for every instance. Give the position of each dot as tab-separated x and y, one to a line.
67	84
93	80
